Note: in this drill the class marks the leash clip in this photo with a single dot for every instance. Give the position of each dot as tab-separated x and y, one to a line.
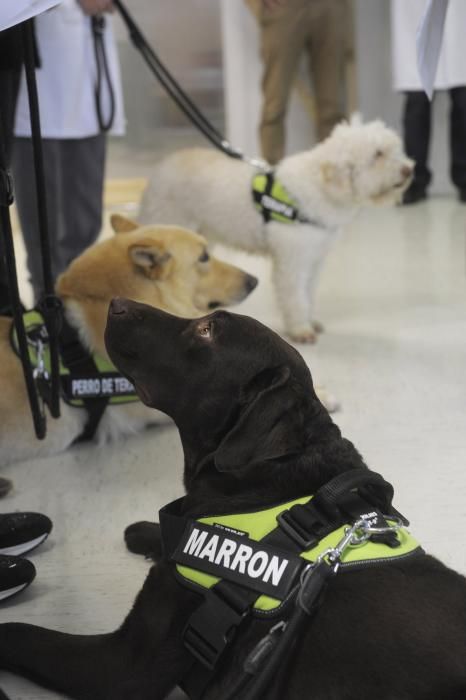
39	371
358	534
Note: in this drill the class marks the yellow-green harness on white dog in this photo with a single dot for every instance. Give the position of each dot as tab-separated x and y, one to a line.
275	204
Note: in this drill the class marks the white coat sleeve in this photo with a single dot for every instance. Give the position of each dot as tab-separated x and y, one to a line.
15	11
429	42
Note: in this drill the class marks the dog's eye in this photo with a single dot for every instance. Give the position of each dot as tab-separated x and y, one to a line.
205	329
205	257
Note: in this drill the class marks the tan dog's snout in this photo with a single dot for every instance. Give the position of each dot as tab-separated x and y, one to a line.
223	285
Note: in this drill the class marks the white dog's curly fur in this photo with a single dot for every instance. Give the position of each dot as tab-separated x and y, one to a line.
358	165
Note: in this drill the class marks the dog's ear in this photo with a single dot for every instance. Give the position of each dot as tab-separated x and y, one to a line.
269	426
338	180
120	224
152	258
331	174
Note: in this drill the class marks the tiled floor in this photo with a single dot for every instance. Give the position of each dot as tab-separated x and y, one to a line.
393	299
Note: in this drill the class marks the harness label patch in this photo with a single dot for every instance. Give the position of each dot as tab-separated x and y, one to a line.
234	557
275	205
102	386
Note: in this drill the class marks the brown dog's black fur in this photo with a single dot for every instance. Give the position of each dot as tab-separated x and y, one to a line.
253	434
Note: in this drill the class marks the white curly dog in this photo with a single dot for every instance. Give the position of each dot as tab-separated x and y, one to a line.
357	165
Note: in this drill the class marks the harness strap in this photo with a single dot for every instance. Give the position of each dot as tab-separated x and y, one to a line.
51	304
274	202
80	363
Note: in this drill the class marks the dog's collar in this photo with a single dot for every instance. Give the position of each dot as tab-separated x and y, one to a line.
275	204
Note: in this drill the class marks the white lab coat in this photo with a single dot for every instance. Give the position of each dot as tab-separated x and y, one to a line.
451	70
66	78
15	11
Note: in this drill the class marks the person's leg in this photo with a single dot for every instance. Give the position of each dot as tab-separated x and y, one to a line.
9	84
458	139
282	42
326	46
83	171
416	135
26	200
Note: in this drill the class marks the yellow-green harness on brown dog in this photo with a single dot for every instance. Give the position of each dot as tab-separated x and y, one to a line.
257	525
276	562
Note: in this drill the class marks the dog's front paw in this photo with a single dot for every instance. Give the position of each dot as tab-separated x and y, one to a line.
144	538
303	335
318	327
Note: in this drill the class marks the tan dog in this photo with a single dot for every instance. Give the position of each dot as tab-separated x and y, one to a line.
165	266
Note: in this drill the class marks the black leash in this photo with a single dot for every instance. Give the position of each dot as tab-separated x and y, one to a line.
270	657
103	74
186	105
6	200
50	305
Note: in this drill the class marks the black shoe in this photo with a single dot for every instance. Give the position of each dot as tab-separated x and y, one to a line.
21	532
15	575
414	193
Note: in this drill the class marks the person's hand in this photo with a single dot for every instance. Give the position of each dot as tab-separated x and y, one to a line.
96	7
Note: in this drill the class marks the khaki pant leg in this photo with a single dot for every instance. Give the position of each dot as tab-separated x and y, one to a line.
327	46
282	42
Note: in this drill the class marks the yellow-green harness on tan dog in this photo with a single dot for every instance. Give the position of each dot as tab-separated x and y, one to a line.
104	382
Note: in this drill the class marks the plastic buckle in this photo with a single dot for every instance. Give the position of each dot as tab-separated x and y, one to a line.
298	534
210	629
6	188
98	24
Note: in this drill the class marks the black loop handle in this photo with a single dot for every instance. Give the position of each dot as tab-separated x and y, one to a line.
327	496
185	104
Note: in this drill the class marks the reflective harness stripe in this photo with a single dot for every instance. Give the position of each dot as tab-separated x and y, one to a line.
102	382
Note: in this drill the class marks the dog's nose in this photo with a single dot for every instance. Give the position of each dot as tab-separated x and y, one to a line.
118	306
251	283
407	170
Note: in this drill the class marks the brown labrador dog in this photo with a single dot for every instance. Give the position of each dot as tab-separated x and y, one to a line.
254	434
